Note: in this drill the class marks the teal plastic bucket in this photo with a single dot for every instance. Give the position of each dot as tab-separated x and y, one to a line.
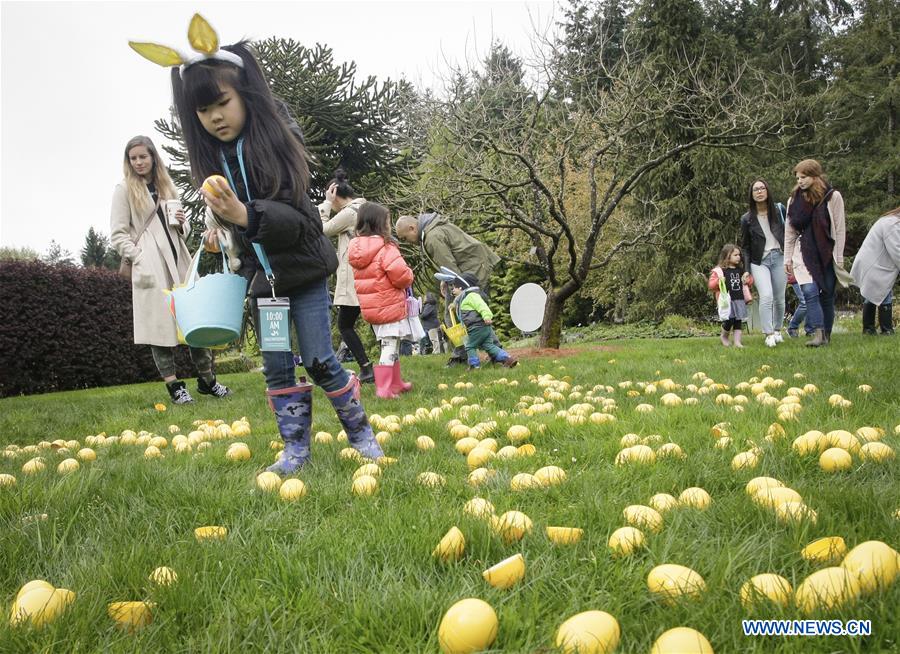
209	310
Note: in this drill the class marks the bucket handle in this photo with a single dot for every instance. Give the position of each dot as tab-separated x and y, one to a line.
191	277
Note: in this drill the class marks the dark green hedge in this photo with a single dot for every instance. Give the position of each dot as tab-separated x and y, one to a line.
64	327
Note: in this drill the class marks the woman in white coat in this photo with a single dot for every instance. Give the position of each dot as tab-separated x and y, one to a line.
142	235
875	270
341	199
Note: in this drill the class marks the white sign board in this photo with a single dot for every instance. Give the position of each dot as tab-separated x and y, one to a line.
527	307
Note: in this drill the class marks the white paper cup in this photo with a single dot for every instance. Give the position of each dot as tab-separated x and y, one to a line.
172	207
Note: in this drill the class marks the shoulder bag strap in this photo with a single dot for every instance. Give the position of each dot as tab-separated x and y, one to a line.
146	223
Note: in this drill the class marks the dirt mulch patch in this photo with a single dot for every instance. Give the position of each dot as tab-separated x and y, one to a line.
546	352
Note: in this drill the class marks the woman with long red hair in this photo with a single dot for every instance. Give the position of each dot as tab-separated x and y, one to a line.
815	221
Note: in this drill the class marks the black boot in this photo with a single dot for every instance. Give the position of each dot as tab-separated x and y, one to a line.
868	318
886	319
215	388
179	392
366	373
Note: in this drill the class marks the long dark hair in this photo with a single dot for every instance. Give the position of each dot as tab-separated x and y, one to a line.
275	156
374	219
342	183
770	202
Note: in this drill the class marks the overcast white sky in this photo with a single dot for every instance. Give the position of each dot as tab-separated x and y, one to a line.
72	92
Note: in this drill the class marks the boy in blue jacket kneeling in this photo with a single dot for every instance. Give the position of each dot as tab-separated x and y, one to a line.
473	312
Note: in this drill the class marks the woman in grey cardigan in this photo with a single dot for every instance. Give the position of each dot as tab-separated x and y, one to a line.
341	199
875	270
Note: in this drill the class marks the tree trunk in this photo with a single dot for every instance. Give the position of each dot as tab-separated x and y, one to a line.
551	329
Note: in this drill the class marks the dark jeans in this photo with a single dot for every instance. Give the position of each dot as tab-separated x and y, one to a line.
800	311
346	320
311	317
820	301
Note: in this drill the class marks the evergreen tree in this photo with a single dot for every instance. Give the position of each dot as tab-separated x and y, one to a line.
56	255
93	254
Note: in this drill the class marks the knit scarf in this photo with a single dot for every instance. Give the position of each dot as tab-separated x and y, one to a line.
813	224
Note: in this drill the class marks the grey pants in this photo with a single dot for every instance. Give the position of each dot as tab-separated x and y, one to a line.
164	358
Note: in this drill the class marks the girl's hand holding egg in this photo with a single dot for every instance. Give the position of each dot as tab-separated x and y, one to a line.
221	199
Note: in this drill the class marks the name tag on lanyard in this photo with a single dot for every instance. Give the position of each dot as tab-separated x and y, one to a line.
274	324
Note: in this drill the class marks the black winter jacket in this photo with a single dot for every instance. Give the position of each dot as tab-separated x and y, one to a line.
753	239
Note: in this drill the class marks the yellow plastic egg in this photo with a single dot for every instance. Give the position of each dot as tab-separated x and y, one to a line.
468	626
625	540
292	489
590	632
835	459
564	535
766	587
874	565
507	573
695	497
681	640
671	582
827	589
451	546
638	515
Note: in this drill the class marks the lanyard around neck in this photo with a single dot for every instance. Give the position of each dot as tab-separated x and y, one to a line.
260	253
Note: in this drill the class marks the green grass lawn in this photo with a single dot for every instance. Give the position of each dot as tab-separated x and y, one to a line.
336	573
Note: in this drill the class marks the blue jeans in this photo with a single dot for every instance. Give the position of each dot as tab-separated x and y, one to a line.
311	317
771	282
800	311
820	301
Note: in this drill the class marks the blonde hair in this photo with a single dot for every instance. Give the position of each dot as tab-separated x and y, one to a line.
816	190
137	187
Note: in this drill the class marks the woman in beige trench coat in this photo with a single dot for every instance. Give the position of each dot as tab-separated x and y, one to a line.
141	234
341	199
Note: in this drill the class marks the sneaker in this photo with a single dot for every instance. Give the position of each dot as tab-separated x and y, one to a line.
770	340
793	333
778	337
179	392
509	362
216	389
453	361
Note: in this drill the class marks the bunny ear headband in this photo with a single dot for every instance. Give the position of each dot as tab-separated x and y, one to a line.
203	39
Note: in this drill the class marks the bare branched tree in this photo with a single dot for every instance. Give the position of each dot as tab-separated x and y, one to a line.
547	158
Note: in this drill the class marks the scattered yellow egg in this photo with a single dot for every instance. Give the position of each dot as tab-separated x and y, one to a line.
835	459
625	540
638	515
237	452
874	565
323	438
505	574
829	549
768	586
681	640
876	451
451	546
527	449
550	475
431	480
349	454
292	490
210	533
425	443
371	469
7	480
480	476
511	526
524	481
131	615
67	465
795	512
826	589
152	452
695	497
564	535
478	507
590	632
163	576
745	460
468	626
364	485
671	582
478	457
34	466
774	496
757	484
663	502
40	605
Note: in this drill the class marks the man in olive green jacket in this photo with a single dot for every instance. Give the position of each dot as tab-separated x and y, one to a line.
444	244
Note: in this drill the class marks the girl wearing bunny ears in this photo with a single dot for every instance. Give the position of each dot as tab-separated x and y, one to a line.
232	126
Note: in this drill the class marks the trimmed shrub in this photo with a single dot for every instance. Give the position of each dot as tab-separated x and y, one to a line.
65	328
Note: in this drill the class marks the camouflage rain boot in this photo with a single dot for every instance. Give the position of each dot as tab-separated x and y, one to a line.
293	413
354	420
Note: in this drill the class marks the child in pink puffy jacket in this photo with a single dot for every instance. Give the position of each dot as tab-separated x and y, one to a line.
382	279
730	270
